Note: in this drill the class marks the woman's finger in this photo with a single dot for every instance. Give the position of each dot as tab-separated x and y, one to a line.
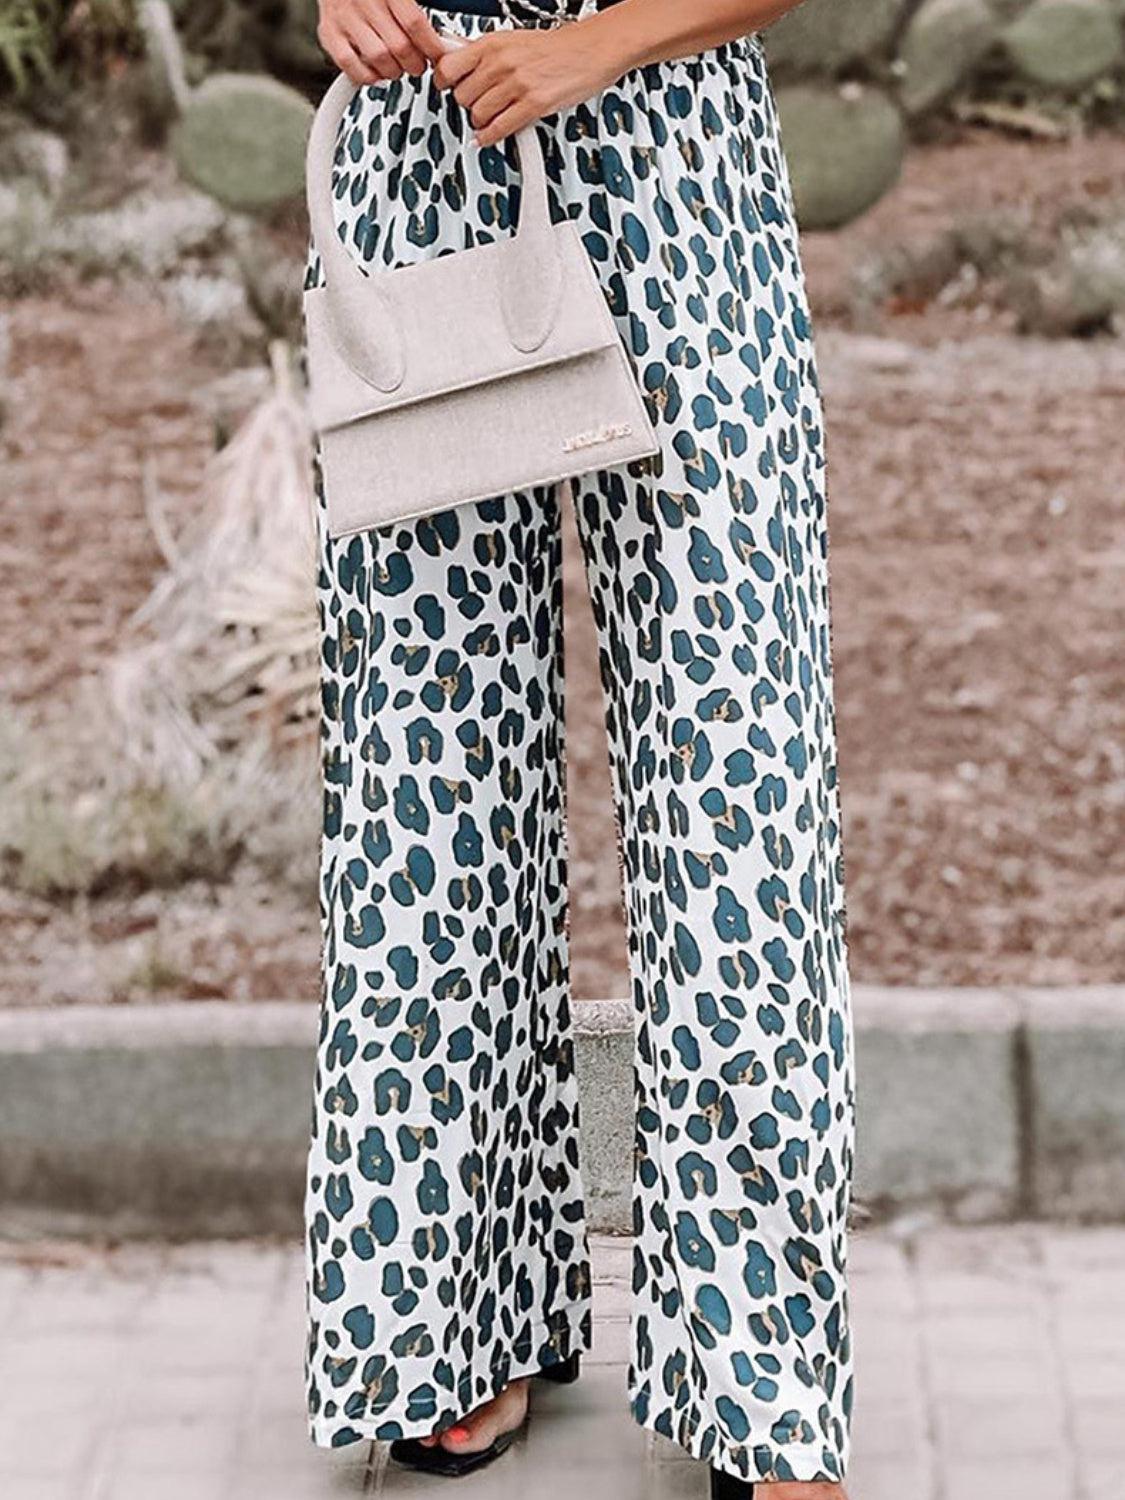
374	51
506	123
457	63
490	103
418	27
344	55
392	37
474	86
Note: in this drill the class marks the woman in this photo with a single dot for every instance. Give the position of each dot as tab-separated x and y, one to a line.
447	1246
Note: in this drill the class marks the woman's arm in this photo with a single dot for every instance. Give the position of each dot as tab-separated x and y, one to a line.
648	31
506	79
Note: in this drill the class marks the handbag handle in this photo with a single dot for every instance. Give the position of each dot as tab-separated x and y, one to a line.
532	288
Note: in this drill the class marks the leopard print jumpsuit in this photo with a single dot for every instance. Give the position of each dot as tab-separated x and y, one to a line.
446	1239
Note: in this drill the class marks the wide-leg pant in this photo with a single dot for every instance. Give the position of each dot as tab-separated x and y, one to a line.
446	1239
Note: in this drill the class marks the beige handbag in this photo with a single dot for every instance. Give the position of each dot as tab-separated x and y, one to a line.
466	376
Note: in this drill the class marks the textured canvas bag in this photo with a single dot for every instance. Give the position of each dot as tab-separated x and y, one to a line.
466	376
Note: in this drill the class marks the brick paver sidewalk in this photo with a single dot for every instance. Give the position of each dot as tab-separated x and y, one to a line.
991	1367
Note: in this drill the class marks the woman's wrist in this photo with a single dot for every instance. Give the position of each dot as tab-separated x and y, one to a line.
633	33
617	43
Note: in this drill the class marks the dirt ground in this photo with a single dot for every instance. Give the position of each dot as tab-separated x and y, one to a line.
978	559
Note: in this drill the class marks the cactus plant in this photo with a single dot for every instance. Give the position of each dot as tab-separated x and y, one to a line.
942	44
1064	44
825	36
845	148
241	138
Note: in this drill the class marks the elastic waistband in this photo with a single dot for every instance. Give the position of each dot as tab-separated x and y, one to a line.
526	12
465	7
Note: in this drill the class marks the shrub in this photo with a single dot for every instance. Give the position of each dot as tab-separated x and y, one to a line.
42	40
77	819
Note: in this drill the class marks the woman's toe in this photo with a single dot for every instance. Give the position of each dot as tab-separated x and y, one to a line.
465	1438
481	1428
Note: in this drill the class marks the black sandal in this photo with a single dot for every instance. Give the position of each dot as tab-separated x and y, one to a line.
563	1372
728	1487
438	1460
413	1454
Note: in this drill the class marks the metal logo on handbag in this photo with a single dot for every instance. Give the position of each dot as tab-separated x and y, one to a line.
465	376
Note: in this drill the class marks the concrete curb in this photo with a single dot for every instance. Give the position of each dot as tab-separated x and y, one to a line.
191	1118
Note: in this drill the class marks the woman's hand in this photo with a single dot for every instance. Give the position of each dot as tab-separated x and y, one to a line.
507	79
373	41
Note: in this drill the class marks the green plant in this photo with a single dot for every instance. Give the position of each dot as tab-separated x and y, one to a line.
27	39
25	225
45	39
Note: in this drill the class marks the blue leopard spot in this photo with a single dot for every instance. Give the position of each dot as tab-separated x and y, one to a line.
468	846
687	1047
712	1307
615	178
404	966
759	1272
328	1282
692	1244
687	949
382	1221
433	1190
731	919
360	1323
777	956
705	560
338	1195
733	1418
373	1158
697	1175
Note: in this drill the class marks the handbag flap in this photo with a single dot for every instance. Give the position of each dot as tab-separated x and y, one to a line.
446	316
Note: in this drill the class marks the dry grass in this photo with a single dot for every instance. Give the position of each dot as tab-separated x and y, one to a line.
224	651
194	749
76	818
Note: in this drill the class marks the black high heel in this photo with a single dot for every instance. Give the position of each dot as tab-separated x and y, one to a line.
728	1487
438	1460
563	1371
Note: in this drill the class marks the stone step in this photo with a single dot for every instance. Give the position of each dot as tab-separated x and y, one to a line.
191	1118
